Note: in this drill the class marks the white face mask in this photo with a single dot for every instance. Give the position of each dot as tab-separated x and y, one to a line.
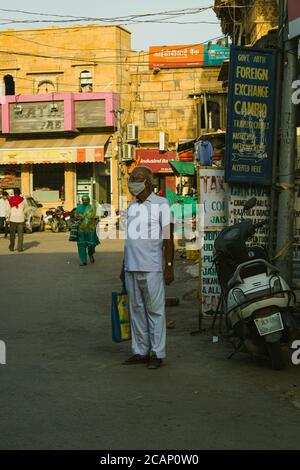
136	188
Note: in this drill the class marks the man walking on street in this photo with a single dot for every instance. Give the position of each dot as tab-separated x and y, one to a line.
148	264
17	215
4	213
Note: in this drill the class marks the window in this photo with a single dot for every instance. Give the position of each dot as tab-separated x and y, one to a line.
46	86
150	118
86	81
213	116
9	84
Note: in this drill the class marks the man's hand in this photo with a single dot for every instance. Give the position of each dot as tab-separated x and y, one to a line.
169	275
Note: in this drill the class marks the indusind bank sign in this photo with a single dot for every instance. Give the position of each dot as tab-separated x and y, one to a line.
249	145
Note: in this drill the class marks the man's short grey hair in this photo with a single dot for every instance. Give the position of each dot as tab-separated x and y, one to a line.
145	171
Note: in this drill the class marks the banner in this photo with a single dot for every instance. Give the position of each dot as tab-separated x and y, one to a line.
251	98
215	54
192	55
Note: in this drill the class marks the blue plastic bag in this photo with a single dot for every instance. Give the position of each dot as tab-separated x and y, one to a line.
120	317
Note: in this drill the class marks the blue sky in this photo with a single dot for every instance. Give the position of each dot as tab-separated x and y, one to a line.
143	35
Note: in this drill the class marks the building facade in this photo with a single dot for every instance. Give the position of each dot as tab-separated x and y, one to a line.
59	90
167	106
247	21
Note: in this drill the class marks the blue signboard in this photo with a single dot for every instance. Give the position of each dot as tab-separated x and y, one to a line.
251	96
215	54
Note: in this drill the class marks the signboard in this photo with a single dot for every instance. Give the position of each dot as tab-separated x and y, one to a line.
90	113
215	54
157	161
36	117
213	195
52	155
176	56
238	196
251	98
294	18
210	285
195	55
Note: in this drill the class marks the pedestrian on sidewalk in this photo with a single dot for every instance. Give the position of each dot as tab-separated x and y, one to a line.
17	217
87	238
4	213
148	264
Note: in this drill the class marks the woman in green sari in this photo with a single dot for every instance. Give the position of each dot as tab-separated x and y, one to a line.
87	238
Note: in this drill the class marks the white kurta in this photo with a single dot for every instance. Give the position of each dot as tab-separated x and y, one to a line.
144	274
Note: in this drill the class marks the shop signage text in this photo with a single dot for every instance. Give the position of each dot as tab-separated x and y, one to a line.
155	160
37	117
249	143
192	55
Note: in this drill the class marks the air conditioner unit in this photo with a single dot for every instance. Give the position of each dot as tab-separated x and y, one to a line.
128	153
132	133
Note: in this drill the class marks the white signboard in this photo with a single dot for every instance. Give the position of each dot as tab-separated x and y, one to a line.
210	285
213	195
238	196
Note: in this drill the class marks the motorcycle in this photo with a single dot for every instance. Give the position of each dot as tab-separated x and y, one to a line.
57	220
258	304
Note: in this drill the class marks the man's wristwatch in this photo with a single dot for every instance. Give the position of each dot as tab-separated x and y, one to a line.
169	264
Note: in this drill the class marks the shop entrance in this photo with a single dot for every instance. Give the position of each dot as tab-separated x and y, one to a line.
85	178
10	177
48	182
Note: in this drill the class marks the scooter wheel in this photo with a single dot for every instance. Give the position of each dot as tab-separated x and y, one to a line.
276	355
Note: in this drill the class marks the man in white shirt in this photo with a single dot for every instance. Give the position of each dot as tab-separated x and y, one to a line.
17	217
148	264
4	213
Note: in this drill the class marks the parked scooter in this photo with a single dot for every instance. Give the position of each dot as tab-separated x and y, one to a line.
257	302
56	219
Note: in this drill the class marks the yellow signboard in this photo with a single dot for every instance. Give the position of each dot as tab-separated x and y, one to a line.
28	156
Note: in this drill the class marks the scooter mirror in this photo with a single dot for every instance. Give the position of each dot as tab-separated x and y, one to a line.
250	204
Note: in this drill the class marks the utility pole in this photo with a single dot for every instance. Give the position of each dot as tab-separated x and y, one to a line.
118	114
287	152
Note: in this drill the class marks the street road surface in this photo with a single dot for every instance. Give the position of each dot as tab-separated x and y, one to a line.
63	386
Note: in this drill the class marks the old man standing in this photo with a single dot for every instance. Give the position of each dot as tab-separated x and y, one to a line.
148	265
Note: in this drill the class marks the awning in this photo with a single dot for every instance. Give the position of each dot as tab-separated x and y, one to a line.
182	168
83	148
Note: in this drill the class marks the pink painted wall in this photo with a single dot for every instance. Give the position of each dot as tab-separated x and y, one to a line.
111	102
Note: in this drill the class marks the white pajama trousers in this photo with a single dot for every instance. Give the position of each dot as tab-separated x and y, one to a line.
146	295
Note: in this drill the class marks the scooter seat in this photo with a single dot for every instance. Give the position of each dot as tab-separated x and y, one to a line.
262	266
